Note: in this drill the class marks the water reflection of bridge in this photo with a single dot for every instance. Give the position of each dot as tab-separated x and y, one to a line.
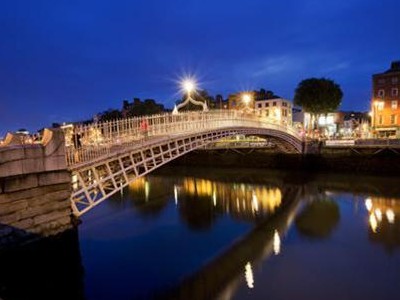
222	276
270	205
240	200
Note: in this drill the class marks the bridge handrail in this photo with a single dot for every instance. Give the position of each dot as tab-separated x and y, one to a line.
87	142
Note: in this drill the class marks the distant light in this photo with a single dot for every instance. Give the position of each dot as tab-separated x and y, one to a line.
146	190
277	243
390	216
248	274
215	198
373	222
368	204
254	202
189	85
176	194
246	99
378	214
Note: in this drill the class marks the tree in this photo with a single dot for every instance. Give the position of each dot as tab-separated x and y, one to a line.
110	115
318	96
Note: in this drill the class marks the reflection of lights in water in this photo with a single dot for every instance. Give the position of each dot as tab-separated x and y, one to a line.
378	214
390	216
255	202
368	204
176	194
215	198
373	222
237	203
248	274
277	243
146	190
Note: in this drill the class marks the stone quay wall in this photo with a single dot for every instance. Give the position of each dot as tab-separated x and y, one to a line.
35	188
374	161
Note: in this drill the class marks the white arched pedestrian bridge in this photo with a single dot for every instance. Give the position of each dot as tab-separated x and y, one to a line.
105	157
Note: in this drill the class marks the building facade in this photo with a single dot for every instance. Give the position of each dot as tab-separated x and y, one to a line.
385	102
278	111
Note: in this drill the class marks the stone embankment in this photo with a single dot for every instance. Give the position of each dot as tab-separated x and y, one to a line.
35	188
378	161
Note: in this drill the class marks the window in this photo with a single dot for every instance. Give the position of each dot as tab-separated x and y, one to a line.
381	105
395	80
380	120
381	93
393	119
284	112
395	92
284	104
267	104
274	103
394	104
259	105
381	81
267	113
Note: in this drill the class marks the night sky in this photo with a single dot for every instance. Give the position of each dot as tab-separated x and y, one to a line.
67	60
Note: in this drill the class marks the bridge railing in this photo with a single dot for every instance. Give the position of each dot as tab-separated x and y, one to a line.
88	142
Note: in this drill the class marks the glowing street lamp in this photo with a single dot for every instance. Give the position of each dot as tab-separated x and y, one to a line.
188	85
246	99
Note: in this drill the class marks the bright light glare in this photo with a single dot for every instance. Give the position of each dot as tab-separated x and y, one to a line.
368	204
390	216
246	99
248	274
188	85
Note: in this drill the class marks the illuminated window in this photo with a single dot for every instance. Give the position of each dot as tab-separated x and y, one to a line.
394	104
381	93
395	92
381	105
393	119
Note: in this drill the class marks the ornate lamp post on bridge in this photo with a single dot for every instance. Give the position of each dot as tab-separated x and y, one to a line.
247	98
189	86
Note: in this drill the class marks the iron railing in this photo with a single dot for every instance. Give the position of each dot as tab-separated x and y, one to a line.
85	143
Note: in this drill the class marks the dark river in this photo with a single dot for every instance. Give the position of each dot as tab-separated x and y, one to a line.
223	234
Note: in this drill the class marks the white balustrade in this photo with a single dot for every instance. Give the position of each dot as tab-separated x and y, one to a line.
85	143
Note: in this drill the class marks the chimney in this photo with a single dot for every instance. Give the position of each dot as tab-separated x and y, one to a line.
395	65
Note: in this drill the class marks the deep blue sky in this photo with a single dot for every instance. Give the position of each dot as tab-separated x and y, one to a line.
66	60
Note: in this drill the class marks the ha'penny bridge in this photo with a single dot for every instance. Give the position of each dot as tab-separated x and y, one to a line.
104	158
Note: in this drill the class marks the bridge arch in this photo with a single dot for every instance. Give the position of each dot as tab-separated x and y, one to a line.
114	154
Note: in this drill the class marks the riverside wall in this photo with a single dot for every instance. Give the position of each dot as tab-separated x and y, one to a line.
35	188
375	161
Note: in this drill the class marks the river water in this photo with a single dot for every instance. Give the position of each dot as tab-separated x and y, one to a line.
223	234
